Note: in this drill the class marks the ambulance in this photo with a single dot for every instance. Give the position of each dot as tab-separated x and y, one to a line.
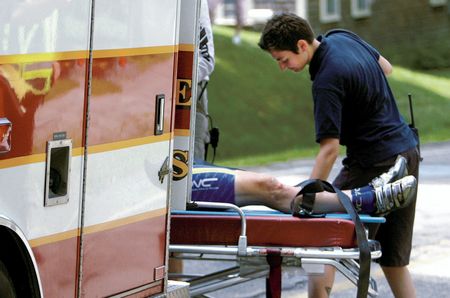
95	136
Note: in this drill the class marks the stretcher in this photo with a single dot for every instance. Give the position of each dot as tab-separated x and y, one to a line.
259	243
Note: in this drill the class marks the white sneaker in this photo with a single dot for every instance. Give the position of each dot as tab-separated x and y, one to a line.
396	195
396	172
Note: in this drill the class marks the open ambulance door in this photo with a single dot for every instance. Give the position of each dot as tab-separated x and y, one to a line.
129	145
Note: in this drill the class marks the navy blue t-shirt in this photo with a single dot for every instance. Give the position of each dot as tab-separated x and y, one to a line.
353	101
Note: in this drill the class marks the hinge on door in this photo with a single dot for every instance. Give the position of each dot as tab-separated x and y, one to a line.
159	272
165	170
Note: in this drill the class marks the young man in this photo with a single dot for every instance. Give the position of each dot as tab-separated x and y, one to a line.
388	192
354	107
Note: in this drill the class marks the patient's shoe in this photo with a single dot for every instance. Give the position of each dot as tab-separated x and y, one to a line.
396	172
395	195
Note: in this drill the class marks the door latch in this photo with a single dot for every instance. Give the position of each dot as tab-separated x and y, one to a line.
164	170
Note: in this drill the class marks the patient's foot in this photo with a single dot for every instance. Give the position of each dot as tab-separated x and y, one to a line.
396	172
392	196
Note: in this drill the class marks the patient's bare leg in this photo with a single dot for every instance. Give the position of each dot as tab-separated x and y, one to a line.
262	189
369	199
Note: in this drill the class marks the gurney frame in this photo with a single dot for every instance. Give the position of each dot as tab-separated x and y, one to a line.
264	261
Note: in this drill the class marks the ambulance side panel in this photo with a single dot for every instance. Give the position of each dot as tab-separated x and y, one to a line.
125	213
85	148
43	55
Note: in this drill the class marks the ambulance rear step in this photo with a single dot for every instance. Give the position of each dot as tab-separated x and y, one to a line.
177	289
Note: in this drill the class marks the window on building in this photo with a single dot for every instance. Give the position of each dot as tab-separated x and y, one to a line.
436	3
262	4
330	11
361	8
229	8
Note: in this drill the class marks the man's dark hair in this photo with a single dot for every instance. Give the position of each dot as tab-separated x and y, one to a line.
283	31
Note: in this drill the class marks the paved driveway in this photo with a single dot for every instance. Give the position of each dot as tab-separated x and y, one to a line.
430	260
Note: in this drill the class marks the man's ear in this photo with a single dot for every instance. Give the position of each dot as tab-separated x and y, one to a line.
302	45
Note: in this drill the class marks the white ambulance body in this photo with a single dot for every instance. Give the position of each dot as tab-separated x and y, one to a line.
95	100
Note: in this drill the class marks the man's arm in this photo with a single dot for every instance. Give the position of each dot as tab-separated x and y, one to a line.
385	65
328	152
206	44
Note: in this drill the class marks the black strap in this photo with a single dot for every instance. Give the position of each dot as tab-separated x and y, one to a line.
316	185
203	85
213	139
308	201
303	207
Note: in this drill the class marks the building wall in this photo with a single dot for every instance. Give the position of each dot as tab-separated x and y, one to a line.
412	33
408	32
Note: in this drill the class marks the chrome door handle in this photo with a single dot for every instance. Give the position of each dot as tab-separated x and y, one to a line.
159	114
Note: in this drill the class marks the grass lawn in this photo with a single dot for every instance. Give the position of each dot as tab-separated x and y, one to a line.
266	115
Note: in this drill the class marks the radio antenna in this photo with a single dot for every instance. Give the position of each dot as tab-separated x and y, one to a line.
411	112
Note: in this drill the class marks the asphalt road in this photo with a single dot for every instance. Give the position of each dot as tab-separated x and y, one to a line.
430	259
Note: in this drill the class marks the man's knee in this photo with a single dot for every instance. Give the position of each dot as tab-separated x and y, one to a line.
268	183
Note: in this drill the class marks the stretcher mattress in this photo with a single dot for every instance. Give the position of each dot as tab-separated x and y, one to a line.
263	229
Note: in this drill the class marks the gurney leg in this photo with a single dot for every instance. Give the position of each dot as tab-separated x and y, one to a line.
352	267
273	281
348	268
